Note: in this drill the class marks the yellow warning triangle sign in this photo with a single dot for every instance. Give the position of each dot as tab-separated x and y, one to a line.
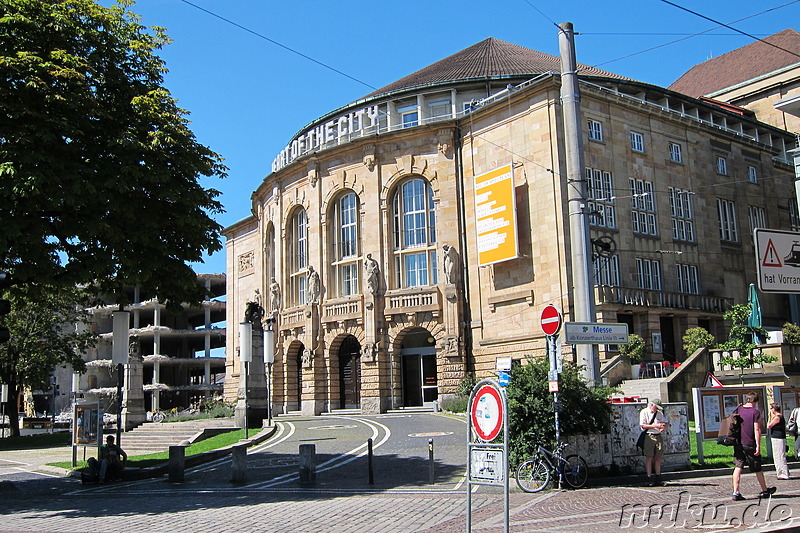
712	381
771	257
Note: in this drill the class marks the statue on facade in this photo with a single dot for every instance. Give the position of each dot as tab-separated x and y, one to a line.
274	296
312	293
371	274
368	352
307	358
450	264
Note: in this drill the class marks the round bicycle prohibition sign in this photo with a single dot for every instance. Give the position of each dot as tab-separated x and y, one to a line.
551	320
487	413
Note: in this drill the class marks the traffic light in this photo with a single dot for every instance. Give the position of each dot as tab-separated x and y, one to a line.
5	305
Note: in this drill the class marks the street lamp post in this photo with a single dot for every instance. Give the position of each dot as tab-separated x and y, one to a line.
269	358
245	357
3	400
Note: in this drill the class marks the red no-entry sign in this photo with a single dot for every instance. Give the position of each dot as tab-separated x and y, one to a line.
487	413
551	320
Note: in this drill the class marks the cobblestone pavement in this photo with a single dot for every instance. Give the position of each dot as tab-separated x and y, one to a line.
400	500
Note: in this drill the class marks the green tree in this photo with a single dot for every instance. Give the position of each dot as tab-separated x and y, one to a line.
740	338
635	349
43	335
696	338
99	171
583	409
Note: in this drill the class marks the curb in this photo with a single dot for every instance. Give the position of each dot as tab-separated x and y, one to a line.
189	461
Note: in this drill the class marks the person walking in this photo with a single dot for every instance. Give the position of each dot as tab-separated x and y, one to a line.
791	430
748	448
777	433
652	420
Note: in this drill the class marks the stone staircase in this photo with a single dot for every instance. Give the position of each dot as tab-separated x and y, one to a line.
644	388
153	438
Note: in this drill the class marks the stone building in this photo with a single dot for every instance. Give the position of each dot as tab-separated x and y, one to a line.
416	234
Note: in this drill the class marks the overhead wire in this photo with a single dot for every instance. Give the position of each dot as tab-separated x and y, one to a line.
276	43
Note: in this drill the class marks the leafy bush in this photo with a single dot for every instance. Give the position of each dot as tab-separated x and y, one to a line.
696	338
791	333
740	338
636	349
455	404
583	409
466	385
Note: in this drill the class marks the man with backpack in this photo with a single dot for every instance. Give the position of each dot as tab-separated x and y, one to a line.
791	429
747	449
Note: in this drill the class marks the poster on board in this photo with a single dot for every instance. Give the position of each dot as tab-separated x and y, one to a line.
711	413
730	403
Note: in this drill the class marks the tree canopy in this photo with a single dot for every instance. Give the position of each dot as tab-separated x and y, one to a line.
99	171
45	331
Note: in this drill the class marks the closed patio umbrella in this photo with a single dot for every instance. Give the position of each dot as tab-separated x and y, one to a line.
754	321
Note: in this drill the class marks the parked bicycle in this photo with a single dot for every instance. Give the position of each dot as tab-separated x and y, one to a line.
536	473
157	416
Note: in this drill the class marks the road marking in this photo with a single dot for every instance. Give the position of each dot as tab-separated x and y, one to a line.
339	426
435	434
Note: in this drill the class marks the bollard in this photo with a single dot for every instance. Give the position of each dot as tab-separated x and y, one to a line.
369	462
308	464
239	463
177	463
430	461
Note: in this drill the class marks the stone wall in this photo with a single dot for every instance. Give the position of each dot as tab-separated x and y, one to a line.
616	452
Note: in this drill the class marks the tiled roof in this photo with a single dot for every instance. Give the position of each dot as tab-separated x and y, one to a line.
742	64
491	58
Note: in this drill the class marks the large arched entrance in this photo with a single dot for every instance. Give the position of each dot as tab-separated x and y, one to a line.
350	374
294	377
418	356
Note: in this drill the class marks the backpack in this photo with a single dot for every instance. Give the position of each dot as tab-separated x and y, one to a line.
791	425
730	429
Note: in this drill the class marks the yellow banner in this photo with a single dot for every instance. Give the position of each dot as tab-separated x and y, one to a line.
496	216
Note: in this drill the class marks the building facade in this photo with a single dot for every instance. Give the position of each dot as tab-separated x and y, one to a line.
414	236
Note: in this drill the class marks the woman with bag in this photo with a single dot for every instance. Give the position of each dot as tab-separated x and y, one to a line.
777	432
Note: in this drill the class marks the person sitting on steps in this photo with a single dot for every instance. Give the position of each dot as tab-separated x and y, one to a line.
112	460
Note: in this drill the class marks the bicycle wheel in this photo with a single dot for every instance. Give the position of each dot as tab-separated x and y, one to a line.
158	417
533	476
575	471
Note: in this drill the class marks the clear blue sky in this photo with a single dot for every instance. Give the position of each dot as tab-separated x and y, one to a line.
248	96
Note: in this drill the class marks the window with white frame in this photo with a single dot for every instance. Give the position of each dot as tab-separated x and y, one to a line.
752	174
409	115
680	207
758	217
794	214
600	188
439	108
298	257
687	279
728	229
675	153
648	273
722	166
643	207
595	130
606	271
414	235
637	142
346	235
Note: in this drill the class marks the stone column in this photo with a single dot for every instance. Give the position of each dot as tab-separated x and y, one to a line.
314	397
133	413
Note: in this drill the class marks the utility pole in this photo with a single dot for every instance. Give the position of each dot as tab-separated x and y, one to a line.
582	286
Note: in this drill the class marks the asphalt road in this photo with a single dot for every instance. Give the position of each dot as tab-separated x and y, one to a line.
401	499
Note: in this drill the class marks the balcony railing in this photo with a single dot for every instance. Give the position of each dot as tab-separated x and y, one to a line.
609	294
410	301
341	309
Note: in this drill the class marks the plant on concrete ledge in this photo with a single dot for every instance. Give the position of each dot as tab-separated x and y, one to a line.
791	333
635	350
696	338
740	339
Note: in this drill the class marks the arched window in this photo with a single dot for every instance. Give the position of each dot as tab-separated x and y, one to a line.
269	253
298	257
346	237
414	234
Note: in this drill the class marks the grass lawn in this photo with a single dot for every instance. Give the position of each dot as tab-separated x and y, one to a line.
153	459
718	456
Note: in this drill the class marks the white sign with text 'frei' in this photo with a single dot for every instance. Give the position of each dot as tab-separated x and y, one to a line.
778	260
